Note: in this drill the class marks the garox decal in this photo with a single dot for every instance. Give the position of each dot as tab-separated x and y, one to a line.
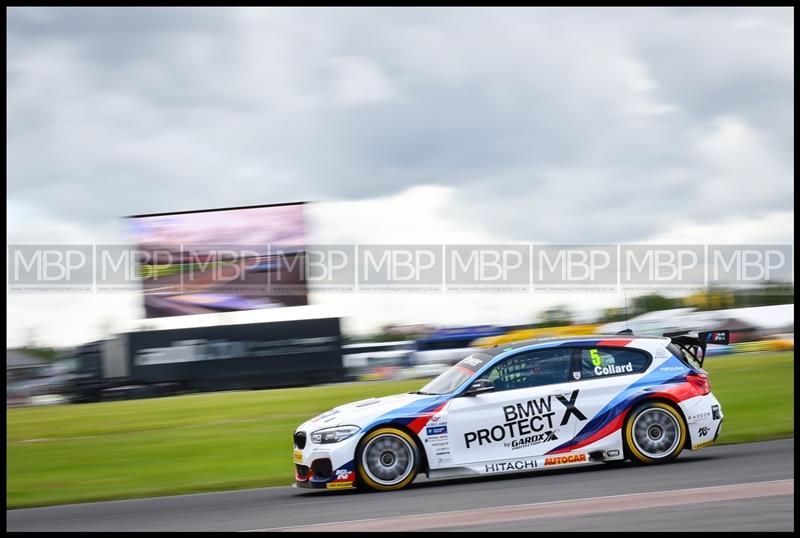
525	420
560	460
531	440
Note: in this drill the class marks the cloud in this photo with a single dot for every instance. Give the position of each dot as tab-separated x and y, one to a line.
416	215
772	228
546	125
360	81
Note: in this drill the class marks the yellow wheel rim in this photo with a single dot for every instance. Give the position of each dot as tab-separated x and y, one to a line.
651	427
388	460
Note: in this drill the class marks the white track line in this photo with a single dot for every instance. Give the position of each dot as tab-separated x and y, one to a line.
562	508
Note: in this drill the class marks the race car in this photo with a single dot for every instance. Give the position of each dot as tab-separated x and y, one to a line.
538	404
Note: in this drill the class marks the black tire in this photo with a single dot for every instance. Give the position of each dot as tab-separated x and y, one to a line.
387	459
654	432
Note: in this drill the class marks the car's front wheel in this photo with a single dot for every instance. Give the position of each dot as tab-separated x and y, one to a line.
654	433
387	459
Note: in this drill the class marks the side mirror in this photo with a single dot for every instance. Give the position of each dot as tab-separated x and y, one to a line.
479	386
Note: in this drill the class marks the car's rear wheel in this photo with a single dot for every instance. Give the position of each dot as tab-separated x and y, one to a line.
387	459
654	433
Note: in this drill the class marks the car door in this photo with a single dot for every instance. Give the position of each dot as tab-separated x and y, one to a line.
603	374
531	410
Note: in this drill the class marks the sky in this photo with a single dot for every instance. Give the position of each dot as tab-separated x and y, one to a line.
468	125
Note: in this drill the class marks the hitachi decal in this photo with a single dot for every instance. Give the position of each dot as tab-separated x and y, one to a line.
510	466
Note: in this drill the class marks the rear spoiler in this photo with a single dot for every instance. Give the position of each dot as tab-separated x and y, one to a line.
695	343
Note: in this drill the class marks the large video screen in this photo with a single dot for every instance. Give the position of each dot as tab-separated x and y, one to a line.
221	260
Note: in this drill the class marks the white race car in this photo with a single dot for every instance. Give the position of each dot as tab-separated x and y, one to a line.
532	405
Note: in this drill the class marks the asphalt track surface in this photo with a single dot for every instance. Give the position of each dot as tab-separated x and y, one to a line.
747	487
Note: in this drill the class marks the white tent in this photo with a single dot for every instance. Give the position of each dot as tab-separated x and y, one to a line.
678	319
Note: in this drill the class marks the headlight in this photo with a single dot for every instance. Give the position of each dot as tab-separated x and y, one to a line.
333	435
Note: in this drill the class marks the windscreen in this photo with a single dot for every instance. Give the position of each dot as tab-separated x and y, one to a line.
456	375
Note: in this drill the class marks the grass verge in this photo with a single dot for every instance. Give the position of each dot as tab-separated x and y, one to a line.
220	441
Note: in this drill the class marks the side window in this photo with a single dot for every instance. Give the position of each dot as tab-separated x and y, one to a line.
610	361
532	369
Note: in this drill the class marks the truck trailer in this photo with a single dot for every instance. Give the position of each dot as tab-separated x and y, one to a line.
200	359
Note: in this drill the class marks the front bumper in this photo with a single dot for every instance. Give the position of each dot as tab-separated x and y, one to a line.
327	466
307	484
